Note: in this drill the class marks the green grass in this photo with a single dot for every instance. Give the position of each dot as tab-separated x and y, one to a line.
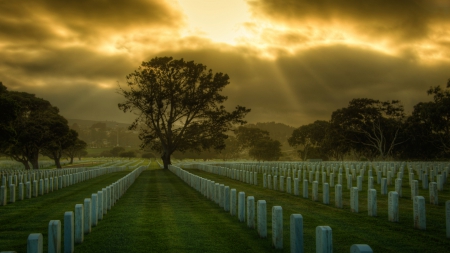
354	228
18	220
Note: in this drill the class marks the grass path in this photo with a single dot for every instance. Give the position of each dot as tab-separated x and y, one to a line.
160	213
18	220
352	228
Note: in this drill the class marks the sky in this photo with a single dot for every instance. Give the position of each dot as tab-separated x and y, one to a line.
290	61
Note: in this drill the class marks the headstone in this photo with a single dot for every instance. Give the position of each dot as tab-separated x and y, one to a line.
12	193
87	216
359	183
35	243
233	202
338	196
296	229
305	189
354	200
221	195
269	182
277	227
3	196
324	239
296	190
349	182
288	185
251	212
100	205
393	206
383	186
360	248
241	207
372	202
419	213
94	210
79	223
28	189
281	183
433	193
226	206
262	218
326	194
54	236
414	189
275	183
398	187
68	232
315	191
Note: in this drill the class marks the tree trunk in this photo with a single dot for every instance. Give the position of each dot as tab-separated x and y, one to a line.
26	164
35	164
58	163
71	159
166	159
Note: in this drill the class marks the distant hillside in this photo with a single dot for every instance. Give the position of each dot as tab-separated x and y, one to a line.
87	123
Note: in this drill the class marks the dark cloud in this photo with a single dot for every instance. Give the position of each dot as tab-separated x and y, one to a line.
377	19
309	85
42	20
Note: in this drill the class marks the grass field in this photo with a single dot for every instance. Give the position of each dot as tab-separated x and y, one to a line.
160	213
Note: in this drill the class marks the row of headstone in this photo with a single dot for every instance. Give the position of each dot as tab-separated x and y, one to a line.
80	222
393	197
227	198
46	185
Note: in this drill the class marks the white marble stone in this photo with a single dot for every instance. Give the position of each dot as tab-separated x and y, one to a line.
354	200
338	196
289	185
221	195
87	216
100	205
79	223
393	211
233	200
414	189
28	190
383	186
251	212
54	236
69	245
275	183
35	243
419	213
315	191
269	181
277	227
372	202
433	190
296	232
324	239
226	204
305	189
359	183
398	187
241	206
360	248
296	187
94	210
262	218
12	193
326	194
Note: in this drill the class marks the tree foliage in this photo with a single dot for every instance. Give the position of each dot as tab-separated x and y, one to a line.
311	139
179	106
258	143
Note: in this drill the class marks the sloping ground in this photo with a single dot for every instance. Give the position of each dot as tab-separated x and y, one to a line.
18	220
160	213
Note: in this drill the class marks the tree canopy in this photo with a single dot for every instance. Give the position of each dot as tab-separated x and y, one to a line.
179	106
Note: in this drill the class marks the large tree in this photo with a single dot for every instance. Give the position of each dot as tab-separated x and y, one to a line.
310	139
259	144
179	106
33	126
372	126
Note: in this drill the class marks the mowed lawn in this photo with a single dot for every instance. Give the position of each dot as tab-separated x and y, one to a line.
18	220
353	228
160	213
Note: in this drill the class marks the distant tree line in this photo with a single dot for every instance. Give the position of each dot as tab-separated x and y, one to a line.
31	126
373	129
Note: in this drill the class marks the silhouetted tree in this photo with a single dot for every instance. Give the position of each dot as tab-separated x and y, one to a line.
179	106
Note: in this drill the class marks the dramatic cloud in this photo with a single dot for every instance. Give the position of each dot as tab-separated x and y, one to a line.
290	61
